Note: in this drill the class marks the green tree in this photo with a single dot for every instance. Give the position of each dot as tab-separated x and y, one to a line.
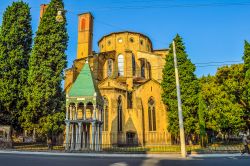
52	124
246	94
189	90
202	122
47	62
15	47
222	94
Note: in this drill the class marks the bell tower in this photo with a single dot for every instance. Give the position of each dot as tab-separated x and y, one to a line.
85	35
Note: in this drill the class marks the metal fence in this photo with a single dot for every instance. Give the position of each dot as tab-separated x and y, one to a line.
136	139
151	142
116	148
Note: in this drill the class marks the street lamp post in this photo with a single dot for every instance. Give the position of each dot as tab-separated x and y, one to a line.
182	136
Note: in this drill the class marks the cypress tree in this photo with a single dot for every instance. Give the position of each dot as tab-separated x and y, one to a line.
15	47
47	62
189	90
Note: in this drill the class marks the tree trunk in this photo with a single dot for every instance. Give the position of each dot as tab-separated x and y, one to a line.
49	142
34	135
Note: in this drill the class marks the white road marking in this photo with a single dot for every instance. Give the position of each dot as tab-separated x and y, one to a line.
119	164
150	162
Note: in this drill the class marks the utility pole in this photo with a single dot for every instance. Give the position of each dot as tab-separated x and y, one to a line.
182	136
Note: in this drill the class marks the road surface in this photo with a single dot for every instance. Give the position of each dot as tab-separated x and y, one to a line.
37	160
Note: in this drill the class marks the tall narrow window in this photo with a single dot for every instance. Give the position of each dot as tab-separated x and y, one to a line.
82	24
151	115
120	65
149	70
143	68
119	112
109	67
106	114
133	65
129	100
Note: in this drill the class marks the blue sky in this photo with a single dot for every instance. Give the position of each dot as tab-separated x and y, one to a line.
213	31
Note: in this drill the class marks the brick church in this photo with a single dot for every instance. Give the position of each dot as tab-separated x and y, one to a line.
113	96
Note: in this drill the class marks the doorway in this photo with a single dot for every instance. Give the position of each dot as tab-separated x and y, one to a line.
131	138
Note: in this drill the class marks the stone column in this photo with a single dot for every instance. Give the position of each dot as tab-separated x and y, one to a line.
77	137
82	112
94	112
67	113
79	143
84	115
72	112
88	136
72	147
83	136
100	137
67	135
97	138
100	114
76	112
97	112
93	136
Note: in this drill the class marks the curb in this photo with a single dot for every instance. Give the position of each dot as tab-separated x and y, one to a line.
93	154
215	155
115	155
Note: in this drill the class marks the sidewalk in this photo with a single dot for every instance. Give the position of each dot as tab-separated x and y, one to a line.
217	155
166	156
92	154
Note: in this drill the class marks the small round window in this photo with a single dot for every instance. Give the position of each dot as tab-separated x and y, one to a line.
119	40
131	40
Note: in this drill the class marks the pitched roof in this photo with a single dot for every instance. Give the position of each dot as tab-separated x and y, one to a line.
84	84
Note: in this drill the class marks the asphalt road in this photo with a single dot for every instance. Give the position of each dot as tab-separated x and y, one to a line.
35	160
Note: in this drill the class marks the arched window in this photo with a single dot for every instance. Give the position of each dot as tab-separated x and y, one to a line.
129	100
109	67
106	114
71	111
120	65
83	22
89	110
151	115
81	108
143	68
119	112
149	70
133	65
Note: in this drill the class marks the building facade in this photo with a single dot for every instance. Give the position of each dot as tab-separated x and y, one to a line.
127	73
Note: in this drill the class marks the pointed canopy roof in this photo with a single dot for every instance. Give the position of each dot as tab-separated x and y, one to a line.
84	84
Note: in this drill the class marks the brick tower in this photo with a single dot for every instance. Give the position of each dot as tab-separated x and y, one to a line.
84	48
85	35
